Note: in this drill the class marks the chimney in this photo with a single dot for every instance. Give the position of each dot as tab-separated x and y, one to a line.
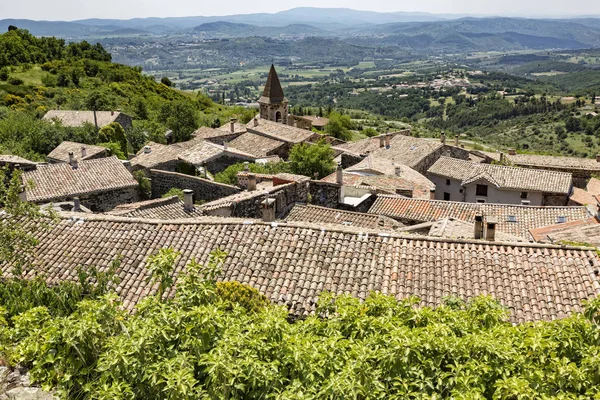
339	175
268	210
316	175
147	149
597	157
204	170
232	122
432	194
75	163
76	204
478	234
225	146
83	152
443	138
512	152
398	170
251	182
246	166
112	112
456	140
71	158
188	200
490	229
502	158
381	141
387	140
255	122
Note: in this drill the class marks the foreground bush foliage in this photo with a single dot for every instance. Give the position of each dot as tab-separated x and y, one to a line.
223	341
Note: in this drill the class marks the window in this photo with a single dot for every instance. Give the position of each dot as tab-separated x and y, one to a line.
447	181
524	195
446	196
512	218
481	200
278	116
562	219
481	190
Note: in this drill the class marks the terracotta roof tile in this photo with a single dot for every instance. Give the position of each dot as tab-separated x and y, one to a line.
581	231
502	176
282	132
61	152
525	217
78	118
55	181
292	263
256	144
317	215
206	151
167	208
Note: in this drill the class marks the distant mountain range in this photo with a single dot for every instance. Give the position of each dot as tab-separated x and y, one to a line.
421	31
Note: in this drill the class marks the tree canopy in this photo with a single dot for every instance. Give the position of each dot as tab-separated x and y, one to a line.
308	159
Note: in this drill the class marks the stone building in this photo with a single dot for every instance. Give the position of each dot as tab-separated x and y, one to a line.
100	184
273	104
459	180
80	150
74	118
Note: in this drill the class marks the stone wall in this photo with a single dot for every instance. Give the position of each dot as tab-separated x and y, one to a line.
204	189
349	160
286	196
242	178
448	151
219	164
325	194
557	200
125	120
103	201
15	384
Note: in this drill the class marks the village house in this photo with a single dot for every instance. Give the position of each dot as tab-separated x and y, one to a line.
292	263
99	184
401	148
74	118
384	176
209	157
80	150
15	162
163	208
288	135
459	180
582	169
515	220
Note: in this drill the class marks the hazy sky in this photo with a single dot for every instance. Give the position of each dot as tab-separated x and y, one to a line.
125	9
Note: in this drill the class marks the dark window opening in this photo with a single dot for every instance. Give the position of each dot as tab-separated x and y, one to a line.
278	116
524	195
446	196
482	190
447	181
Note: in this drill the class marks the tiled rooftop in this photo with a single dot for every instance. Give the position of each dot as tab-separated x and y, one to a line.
452	228
10	159
55	181
205	133
285	133
205	151
502	176
159	154
61	152
167	208
323	215
525	217
583	231
78	118
535	160
292	263
255	144
237	128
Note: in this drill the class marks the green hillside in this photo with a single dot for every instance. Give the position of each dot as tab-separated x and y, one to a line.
40	74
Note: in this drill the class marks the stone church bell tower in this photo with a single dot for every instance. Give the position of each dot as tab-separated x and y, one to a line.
273	104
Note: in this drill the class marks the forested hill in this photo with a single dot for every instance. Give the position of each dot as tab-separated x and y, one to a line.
40	74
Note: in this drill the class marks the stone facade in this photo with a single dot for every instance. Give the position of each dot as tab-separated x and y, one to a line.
105	200
325	194
286	196
221	163
125	120
204	189
276	112
552	199
448	151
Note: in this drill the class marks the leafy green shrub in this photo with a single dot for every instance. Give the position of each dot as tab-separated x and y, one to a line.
145	187
242	295
15	81
174	192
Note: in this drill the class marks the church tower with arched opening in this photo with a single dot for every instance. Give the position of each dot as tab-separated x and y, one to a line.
273	104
